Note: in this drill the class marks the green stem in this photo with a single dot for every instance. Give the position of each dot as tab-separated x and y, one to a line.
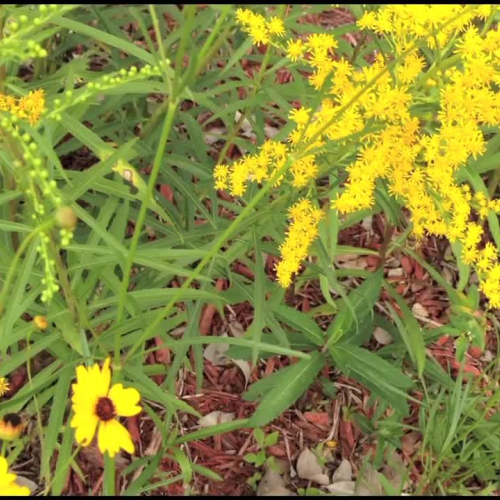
389	231
256	88
13	267
493	184
211	254
109	476
147	195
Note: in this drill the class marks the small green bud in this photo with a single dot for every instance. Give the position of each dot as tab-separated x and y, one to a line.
53	6
24	19
43	8
26	138
58	117
32	173
53	184
31	44
37	21
69	94
14	26
33	146
42	53
37	162
14	119
57	102
123	72
90	85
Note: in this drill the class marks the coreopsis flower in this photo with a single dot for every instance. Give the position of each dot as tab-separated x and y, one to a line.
8	485
96	407
4	386
11	426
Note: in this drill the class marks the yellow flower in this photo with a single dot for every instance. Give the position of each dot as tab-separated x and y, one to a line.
276	26
95	404
295	49
299	116
29	107
11	427
301	234
8	485
4	386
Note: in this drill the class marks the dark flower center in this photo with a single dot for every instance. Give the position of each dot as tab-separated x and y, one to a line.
105	409
13	419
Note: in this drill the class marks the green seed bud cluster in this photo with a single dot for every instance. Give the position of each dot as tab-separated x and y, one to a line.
19	44
99	86
43	195
49	280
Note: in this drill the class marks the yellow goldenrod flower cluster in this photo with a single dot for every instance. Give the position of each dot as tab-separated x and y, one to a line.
8	484
258	28
434	24
301	233
29	107
259	168
96	404
415	155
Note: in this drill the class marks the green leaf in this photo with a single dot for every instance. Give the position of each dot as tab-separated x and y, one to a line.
374	372
357	329
281	397
56	418
410	330
113	41
151	390
300	322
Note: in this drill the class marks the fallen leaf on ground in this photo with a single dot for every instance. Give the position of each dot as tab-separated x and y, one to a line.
216	353
317	417
24	481
342	488
308	467
270	481
215	418
343	472
382	336
369	483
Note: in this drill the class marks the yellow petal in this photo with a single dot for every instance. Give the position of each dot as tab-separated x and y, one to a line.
85	425
14	490
125	400
4	467
101	378
112	436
